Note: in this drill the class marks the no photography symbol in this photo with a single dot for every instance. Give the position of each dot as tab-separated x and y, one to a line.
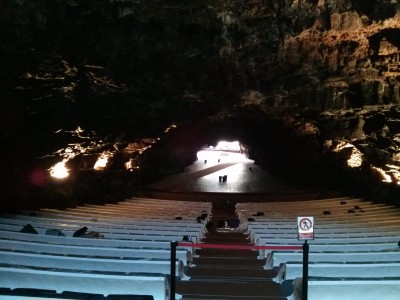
305	224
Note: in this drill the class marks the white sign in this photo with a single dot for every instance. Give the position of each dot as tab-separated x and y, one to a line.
305	227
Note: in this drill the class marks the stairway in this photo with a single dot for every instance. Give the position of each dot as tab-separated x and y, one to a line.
228	273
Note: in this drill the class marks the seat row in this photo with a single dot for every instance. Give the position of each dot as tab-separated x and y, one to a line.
129	255
355	245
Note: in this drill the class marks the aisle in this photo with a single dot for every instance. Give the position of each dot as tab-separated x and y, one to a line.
227	273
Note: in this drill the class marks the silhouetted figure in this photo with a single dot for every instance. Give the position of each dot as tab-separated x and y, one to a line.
233	222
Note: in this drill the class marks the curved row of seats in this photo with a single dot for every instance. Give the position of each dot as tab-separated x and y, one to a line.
355	253
122	249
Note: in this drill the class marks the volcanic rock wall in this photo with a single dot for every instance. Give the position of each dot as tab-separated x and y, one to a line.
322	54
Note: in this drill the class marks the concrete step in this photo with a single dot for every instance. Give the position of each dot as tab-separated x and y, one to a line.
229	261
227	240
215	297
228	289
227	253
230	272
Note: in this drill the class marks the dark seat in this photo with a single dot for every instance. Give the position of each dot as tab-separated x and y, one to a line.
129	297
33	292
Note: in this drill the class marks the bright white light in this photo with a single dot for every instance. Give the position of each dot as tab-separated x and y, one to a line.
394	172
59	170
205	155
396	175
385	177
342	145
170	127
393	167
101	162
78	130
130	165
356	158
228	146
223	152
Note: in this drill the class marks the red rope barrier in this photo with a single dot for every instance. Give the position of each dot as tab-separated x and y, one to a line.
238	247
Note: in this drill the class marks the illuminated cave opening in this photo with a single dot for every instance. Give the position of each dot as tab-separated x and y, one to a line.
224	151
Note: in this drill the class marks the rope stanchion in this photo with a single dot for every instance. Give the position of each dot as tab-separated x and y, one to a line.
306	248
173	270
240	247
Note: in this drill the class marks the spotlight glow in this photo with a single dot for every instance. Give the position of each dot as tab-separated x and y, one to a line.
342	145
356	158
228	146
384	176
130	165
223	152
59	170
102	161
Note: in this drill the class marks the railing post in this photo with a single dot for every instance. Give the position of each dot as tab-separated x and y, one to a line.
174	244
306	248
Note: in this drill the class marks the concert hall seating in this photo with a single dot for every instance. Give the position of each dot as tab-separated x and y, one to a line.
122	249
354	254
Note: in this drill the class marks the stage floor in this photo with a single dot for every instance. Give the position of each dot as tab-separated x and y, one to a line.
242	176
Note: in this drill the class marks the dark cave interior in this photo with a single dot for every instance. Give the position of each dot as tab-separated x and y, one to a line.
312	88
